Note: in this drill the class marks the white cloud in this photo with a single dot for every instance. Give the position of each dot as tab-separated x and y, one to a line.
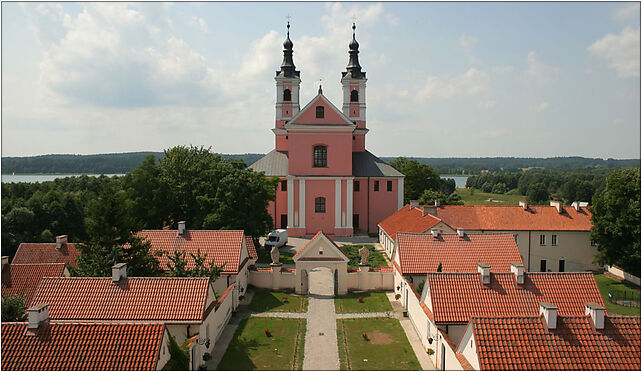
199	23
471	82
538	71
540	107
622	51
626	11
487	105
502	69
467	42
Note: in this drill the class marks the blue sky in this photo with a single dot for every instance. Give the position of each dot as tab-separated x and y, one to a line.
445	79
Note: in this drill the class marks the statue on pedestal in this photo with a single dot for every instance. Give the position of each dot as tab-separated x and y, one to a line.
275	255
364	253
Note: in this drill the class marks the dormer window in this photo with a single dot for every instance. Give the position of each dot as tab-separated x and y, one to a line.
320	112
287	95
354	96
320	156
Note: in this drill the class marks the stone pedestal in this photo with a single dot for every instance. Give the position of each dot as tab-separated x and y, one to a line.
364	269
276	275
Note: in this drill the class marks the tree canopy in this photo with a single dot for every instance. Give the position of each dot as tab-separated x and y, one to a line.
616	221
420	177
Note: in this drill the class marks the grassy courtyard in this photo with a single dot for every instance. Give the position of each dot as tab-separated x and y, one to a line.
251	349
476	197
386	347
373	302
265	258
607	285
375	259
268	301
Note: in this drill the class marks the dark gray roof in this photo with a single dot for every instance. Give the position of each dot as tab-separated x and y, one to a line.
274	163
364	164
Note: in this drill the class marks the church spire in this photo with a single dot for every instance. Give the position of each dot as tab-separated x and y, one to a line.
287	66
354	68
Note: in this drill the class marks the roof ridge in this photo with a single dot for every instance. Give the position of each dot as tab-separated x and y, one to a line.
131	277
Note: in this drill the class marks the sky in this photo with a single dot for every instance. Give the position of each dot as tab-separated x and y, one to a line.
444	79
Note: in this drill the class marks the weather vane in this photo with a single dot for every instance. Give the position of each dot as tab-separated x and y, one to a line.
288	17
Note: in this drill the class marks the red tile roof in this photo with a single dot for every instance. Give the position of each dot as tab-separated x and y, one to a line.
422	253
251	248
172	300
223	246
524	343
33	253
24	278
82	346
509	217
408	219
455	298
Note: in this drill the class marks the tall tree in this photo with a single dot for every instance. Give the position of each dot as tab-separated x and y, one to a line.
419	177
111	239
616	221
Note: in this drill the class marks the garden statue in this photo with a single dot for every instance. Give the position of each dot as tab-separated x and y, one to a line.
364	253
275	255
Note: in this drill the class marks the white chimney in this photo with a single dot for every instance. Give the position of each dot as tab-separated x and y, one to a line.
414	204
181	228
429	209
484	270
436	202
557	205
5	262
461	233
118	272
550	314
518	270
37	315
524	205
435	233
576	205
60	240
597	314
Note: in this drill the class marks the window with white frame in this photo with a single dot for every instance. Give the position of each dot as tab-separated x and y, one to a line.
553	239
542	239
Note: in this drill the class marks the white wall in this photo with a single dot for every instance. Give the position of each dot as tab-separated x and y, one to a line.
623	275
163	355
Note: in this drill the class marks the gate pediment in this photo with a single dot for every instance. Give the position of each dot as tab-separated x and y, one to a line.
321	249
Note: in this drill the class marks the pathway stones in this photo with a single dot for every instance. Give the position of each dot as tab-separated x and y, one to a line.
321	351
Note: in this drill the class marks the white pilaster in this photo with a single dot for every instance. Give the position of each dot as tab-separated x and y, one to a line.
349	195
337	203
400	194
302	203
290	203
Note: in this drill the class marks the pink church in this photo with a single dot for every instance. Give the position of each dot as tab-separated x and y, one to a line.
329	181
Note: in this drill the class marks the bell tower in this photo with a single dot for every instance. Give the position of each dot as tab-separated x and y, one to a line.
353	81
287	85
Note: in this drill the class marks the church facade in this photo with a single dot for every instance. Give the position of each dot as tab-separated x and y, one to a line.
329	181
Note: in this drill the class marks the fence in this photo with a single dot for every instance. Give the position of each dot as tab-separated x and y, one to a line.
624	298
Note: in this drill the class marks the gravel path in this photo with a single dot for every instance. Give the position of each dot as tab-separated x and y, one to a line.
321	351
279	315
387	314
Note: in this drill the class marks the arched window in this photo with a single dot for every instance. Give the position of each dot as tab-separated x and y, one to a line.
354	96
320	112
287	95
319	205
320	156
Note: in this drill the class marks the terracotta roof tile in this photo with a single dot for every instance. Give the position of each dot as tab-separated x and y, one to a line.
514	217
422	253
455	297
172	300
510	343
409	220
82	346
35	253
251	248
223	246
24	278
464	362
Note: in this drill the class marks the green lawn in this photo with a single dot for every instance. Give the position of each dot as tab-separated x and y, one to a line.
267	301
265	258
476	197
251	349
606	285
387	348
372	302
375	259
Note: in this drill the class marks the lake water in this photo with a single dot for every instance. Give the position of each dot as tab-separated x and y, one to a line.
460	181
10	178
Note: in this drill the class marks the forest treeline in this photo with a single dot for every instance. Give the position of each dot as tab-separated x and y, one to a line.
187	184
125	162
